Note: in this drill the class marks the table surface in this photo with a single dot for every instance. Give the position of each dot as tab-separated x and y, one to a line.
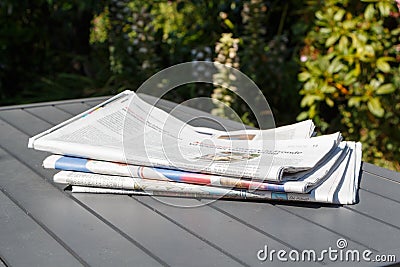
41	224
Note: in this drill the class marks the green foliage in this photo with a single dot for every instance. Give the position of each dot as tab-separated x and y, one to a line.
143	37
223	98
146	36
350	75
271	37
341	55
121	43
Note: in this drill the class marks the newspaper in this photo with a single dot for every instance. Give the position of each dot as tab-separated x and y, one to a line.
304	181
340	187
126	129
300	130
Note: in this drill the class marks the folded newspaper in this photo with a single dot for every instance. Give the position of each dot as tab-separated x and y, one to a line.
127	146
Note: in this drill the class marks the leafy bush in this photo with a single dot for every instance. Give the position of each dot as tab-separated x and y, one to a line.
349	54
351	75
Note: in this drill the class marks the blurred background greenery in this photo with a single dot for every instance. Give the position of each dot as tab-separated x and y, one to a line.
335	61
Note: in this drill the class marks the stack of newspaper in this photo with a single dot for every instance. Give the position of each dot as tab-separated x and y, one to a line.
128	146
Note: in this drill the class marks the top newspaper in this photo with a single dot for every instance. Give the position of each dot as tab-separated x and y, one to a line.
127	129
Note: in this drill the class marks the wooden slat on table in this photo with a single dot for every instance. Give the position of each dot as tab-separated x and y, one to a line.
382	172
232	236
53	115
379	208
381	186
265	216
90	104
25	243
351	225
24	121
73	108
165	239
85	234
50	103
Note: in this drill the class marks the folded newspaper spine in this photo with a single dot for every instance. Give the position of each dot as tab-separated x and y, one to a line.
120	147
301	182
339	187
126	185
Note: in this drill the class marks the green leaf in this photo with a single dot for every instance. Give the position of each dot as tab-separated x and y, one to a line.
384	8
322	64
302	116
348	80
388	59
311	84
385	89
354	40
229	24
374	105
339	15
374	84
304	76
313	68
328	89
343	43
381	77
350	77
335	66
382	65
362	36
349	24
354	101
395	31
329	102
312	111
325	30
369	12
332	39
308	100
369	51
319	15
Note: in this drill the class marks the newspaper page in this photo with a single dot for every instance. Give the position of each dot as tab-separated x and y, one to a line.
152	187
141	172
127	129
304	181
340	187
300	130
100	190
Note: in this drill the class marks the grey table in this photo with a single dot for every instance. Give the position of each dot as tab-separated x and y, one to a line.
41	224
